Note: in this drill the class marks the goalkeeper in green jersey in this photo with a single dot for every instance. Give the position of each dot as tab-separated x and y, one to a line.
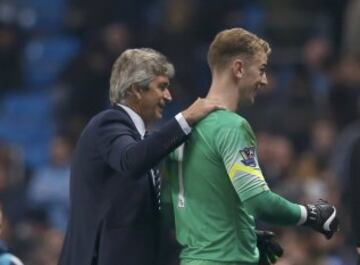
217	187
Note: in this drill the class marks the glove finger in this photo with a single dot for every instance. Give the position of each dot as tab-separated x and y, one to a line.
329	234
275	248
262	235
334	226
271	257
263	259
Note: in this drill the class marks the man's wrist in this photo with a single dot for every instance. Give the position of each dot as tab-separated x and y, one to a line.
183	123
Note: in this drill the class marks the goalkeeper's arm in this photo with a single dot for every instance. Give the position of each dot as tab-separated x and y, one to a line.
271	208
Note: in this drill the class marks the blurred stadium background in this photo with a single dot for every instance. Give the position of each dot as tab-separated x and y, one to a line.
55	62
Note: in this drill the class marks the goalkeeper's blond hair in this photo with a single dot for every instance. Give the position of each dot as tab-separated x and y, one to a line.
234	42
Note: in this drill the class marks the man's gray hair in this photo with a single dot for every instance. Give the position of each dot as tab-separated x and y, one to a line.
137	67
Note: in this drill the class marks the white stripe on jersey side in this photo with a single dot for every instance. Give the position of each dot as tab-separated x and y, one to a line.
181	196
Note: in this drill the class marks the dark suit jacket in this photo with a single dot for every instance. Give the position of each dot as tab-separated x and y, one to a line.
114	215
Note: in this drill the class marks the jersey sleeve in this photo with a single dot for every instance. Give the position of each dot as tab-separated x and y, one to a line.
237	148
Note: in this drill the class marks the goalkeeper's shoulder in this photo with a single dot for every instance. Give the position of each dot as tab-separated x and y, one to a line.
224	119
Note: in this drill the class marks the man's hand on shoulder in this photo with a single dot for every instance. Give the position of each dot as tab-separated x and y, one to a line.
200	109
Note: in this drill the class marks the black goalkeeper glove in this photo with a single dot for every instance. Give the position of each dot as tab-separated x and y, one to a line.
321	216
269	249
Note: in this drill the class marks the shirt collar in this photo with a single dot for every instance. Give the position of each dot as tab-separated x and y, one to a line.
137	120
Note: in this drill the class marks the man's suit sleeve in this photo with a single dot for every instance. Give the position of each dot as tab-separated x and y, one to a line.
118	146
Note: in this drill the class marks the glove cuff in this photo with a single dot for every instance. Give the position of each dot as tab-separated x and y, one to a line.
303	215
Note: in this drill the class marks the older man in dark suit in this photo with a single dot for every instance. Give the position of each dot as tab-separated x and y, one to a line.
114	217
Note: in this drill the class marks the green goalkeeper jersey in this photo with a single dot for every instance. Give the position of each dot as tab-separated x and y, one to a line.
210	177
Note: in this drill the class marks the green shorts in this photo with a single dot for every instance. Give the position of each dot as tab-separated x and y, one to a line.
208	262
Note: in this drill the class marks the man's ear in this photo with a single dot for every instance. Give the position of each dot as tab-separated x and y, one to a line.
135	91
237	67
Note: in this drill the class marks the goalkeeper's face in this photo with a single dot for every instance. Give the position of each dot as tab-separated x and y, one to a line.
254	78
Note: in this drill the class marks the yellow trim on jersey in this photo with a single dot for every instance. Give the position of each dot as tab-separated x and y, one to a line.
246	169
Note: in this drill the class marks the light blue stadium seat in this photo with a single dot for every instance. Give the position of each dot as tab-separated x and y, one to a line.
43	15
45	59
26	119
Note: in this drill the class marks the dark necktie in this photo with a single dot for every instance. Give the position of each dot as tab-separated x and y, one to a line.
156	180
157	185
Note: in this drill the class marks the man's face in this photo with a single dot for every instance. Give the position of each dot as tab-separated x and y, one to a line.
154	99
254	78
